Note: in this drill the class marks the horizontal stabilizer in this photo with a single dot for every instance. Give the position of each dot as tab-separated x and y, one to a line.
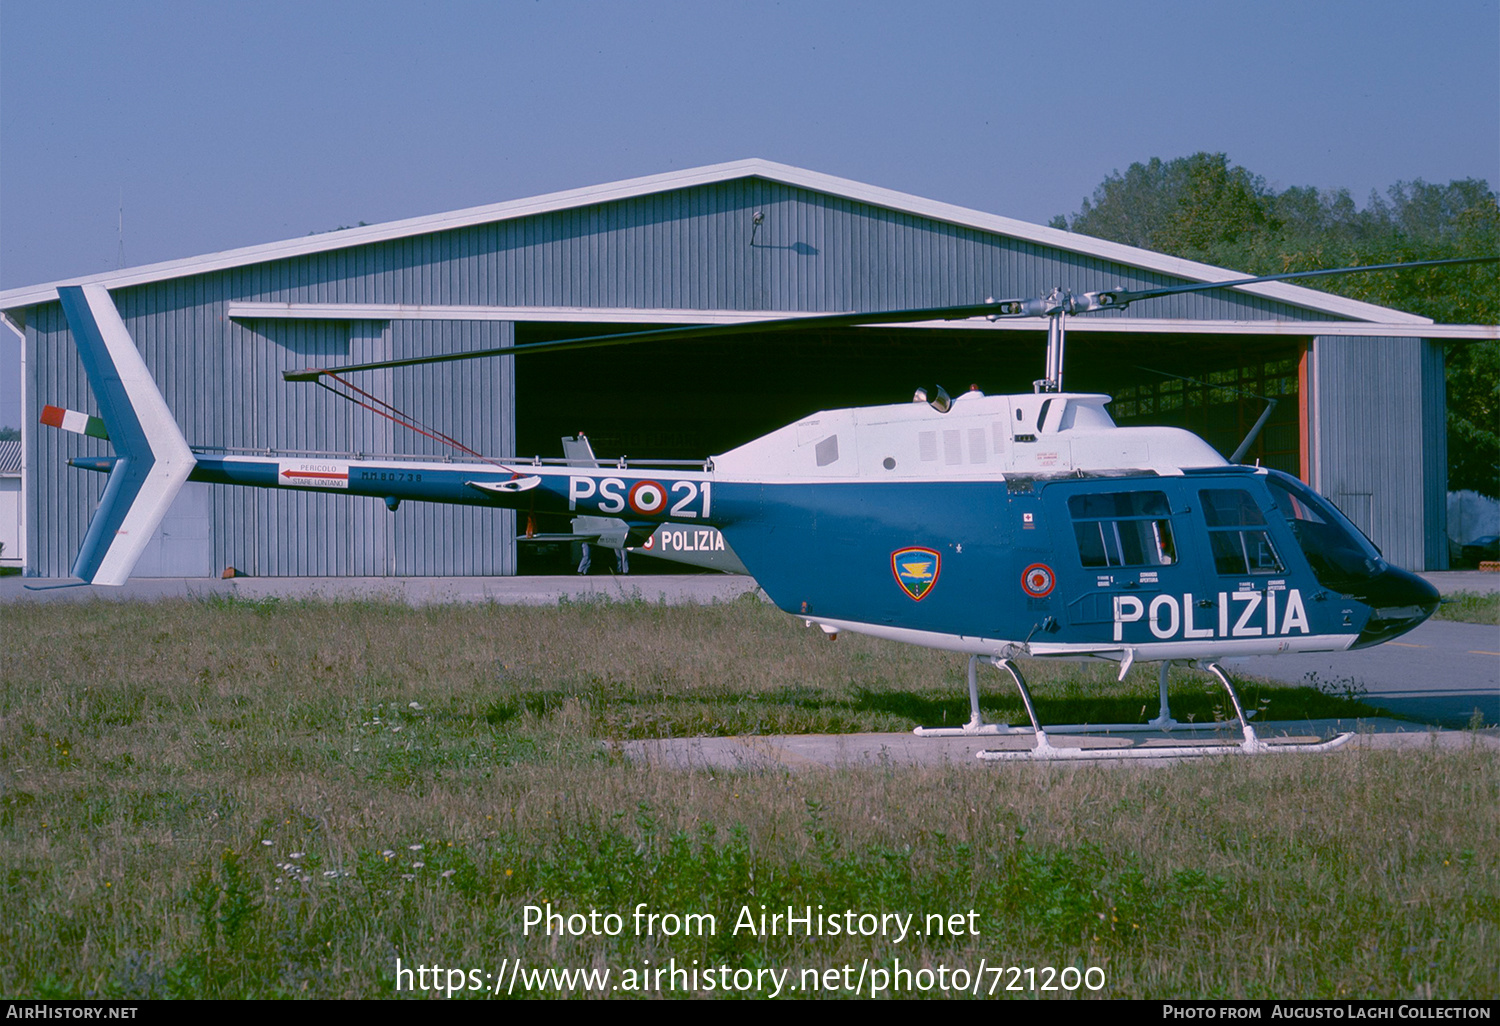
154	459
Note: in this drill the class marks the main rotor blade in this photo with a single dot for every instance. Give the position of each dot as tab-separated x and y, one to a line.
991	308
1114	299
994	309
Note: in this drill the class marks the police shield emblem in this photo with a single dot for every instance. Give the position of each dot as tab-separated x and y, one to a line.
916	570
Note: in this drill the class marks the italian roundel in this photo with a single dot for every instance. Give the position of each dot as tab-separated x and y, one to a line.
647	497
916	570
1037	580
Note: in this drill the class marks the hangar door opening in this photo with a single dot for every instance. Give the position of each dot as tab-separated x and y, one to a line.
1216	388
691	400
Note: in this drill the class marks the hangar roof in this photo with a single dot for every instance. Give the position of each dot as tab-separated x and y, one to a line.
19	298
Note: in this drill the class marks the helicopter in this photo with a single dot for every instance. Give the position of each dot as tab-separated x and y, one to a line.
997	527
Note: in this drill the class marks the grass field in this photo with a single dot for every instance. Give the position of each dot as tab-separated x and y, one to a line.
1470	607
230	799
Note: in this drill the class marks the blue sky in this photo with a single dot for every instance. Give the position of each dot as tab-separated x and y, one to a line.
229	124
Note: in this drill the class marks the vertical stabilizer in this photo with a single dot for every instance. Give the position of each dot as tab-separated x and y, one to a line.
579	451
155	459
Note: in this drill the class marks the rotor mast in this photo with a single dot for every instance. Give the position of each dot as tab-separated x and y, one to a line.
1055	307
1056	339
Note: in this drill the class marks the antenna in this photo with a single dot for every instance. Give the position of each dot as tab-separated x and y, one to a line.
1249	440
120	256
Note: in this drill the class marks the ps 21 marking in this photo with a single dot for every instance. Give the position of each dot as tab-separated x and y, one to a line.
610	495
916	569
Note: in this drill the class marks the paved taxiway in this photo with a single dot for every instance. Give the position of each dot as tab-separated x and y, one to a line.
416	591
1442	672
875	751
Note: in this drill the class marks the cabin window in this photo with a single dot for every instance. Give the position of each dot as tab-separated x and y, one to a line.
1123	529
1237	534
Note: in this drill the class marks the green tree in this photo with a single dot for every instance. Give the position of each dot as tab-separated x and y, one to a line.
1199	207
1204	208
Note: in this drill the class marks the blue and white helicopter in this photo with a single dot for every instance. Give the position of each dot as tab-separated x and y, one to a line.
999	527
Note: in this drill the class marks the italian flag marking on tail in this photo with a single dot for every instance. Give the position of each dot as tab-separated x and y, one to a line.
72	420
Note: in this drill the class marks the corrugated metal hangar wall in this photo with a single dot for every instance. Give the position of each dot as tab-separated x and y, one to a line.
694	247
1378	419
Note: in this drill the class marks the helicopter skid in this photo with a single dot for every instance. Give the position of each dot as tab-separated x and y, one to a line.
1044	750
980	729
1047	752
983	729
977	727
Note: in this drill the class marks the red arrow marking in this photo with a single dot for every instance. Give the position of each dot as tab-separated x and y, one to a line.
310	473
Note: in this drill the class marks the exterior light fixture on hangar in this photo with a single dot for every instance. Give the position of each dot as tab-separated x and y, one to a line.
1364	422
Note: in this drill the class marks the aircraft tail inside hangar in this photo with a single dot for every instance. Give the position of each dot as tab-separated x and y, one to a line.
1359	389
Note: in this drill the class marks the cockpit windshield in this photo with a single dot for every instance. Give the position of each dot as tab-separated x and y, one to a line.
1338	552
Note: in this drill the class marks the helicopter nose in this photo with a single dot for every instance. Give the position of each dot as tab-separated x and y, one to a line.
1400	601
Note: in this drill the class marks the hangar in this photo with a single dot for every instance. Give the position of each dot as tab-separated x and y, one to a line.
1360	409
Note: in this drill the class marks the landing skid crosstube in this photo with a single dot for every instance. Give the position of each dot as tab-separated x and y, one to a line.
1162	723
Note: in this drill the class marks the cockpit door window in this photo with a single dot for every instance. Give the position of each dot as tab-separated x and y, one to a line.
1337	551
1237	533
